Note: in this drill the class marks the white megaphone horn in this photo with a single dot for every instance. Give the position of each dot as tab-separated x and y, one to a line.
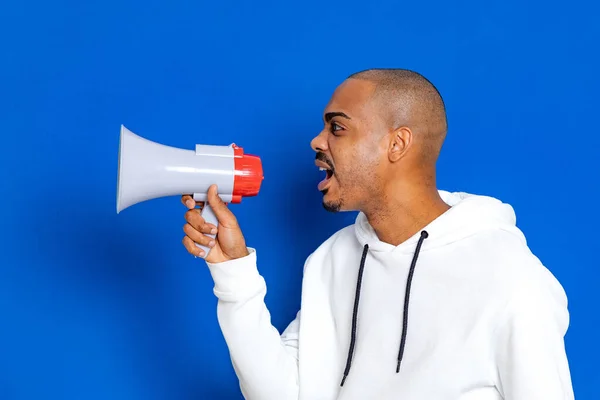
148	170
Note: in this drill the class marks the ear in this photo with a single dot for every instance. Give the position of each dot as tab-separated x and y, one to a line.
401	139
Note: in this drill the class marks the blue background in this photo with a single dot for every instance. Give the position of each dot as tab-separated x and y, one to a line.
96	305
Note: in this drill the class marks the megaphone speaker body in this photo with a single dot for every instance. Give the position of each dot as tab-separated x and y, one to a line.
149	170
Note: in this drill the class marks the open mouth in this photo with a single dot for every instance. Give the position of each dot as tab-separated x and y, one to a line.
324	184
328	172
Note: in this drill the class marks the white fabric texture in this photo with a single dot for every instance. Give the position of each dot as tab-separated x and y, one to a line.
486	318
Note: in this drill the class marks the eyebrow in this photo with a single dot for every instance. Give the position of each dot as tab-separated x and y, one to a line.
330	115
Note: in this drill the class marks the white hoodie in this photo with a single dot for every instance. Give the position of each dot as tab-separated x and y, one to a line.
485	320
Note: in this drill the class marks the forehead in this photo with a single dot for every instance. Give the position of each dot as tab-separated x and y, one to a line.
353	97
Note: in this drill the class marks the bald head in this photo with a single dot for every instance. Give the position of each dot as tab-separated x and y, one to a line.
407	99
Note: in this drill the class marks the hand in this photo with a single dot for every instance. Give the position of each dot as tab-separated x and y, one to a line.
229	243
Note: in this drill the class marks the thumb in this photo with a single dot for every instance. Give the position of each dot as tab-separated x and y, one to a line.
222	212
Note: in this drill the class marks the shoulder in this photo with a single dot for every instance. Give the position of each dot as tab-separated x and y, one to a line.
524	282
507	257
508	275
340	241
521	265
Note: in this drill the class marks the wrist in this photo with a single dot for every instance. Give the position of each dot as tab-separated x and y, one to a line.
240	252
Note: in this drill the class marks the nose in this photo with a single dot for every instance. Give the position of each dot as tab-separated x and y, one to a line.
319	143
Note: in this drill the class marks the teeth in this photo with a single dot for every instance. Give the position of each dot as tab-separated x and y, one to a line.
322	169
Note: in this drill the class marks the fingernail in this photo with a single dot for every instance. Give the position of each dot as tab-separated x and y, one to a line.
213	231
201	253
211	243
189	204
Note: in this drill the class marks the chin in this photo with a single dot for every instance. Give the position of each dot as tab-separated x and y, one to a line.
332	205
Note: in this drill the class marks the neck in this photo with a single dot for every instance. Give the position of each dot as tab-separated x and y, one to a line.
404	209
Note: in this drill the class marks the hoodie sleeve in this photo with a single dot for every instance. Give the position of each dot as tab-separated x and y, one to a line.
530	349
265	362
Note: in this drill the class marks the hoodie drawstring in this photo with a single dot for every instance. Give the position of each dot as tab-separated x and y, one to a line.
355	313
411	272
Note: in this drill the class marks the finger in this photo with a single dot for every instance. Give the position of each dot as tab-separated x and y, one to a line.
188	201
195	219
192	248
198	237
209	228
222	212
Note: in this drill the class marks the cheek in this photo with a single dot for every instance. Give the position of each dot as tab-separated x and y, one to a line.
358	172
367	159
369	171
356	165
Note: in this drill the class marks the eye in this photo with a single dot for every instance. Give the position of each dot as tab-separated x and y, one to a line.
334	128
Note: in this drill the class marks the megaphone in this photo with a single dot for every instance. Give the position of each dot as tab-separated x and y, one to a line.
149	170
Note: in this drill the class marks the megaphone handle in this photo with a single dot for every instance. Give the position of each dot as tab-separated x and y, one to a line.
210	218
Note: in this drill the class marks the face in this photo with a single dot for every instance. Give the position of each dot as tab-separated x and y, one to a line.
351	148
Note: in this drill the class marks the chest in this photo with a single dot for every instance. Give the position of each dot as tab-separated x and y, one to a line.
449	324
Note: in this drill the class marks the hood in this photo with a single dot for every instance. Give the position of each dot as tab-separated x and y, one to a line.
468	215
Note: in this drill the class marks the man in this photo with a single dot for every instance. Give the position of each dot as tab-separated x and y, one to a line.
430	295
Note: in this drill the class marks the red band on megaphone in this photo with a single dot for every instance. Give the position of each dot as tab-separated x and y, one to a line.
248	174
